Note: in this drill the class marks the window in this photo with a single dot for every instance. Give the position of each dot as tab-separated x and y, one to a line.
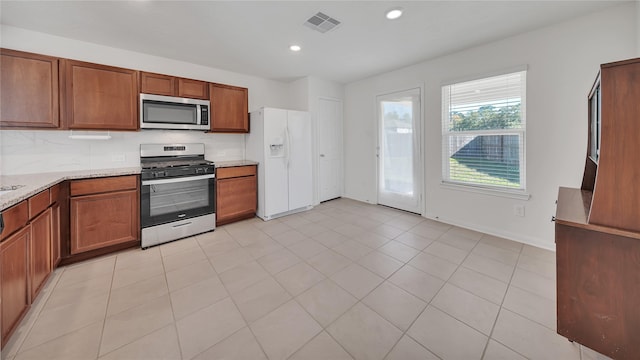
483	132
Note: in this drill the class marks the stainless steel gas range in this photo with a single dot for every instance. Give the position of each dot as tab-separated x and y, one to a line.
177	197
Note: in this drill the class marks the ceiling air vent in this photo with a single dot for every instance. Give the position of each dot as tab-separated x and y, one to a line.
321	22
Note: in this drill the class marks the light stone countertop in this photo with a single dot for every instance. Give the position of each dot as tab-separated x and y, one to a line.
234	163
34	183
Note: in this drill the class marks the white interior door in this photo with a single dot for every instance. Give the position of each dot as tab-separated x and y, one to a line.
399	159
275	158
299	159
329	149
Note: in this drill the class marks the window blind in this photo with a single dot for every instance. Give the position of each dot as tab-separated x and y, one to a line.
483	132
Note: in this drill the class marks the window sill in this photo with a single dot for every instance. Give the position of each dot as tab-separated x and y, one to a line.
512	194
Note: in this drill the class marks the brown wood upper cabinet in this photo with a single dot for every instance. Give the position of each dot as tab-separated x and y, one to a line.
104	212
229	109
29	90
167	85
99	97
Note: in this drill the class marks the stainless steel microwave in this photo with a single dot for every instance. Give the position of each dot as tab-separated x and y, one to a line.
168	112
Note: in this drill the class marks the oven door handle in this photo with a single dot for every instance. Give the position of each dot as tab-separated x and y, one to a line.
177	180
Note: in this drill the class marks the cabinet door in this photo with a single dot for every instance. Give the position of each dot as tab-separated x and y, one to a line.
102	220
236	198
229	109
100	97
157	84
14	260
55	236
194	89
29	90
40	250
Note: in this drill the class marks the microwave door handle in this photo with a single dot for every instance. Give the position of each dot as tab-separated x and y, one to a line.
177	180
198	114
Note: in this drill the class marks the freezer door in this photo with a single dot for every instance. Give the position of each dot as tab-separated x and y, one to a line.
276	192
299	155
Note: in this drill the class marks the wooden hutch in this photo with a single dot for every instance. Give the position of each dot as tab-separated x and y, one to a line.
598	225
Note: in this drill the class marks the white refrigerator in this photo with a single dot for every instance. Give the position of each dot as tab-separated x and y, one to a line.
280	141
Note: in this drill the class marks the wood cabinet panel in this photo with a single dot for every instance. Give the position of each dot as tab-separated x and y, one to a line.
99	97
157	84
236	199
598	293
40	250
101	185
616	196
194	89
14	272
14	218
168	85
39	202
104	219
229	109
28	90
56	253
236	171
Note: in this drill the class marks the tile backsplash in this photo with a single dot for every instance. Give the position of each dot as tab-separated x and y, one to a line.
28	152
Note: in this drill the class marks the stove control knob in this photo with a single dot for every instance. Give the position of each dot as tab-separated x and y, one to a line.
201	170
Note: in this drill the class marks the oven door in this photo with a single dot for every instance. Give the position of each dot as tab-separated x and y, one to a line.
166	200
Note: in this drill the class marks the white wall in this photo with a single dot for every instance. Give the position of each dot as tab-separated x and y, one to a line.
562	63
320	88
24	152
304	95
299	94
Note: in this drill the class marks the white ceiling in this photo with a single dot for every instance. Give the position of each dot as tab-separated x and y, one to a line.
253	37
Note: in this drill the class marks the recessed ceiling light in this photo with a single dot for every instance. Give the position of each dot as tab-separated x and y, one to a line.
295	48
394	13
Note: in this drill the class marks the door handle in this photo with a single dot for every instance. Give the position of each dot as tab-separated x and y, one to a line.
321	155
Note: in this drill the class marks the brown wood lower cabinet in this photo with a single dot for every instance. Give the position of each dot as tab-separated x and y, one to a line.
14	277
55	235
40	250
106	214
598	280
236	194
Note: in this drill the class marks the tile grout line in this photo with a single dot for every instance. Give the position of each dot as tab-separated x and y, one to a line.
435	295
247	324
106	309
495	322
36	315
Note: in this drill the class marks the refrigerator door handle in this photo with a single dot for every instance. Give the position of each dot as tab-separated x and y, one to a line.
288	146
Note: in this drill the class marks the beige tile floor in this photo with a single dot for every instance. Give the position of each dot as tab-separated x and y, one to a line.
345	280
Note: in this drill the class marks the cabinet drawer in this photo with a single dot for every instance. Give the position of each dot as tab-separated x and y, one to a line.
39	202
102	185
237	171
14	218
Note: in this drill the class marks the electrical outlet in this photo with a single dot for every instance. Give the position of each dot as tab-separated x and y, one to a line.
518	210
118	158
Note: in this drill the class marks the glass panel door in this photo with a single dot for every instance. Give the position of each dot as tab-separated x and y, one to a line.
399	165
